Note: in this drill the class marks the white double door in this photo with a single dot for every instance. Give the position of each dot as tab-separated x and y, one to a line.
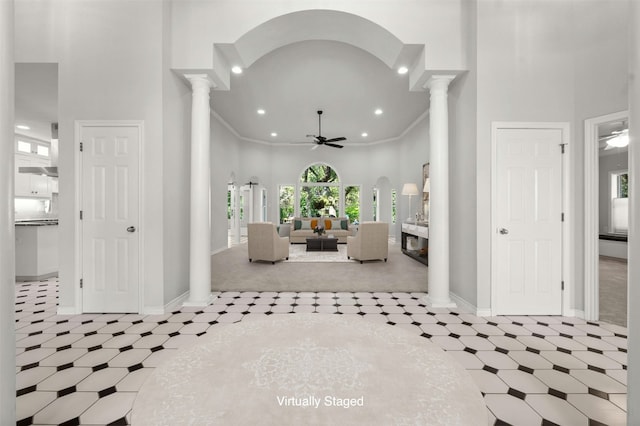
527	248
110	218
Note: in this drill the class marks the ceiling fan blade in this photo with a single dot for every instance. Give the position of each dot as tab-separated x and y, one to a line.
608	147
315	147
334	145
604	138
336	139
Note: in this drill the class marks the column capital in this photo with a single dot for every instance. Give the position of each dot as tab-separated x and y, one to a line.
439	82
199	81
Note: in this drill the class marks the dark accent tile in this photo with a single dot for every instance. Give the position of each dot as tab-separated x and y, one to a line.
187	322
539	336
25	422
126	348
106	392
29	366
598	369
470	350
163	322
495	324
490	369
620	335
563	350
561	369
136	322
72	422
568	336
598	351
624	367
213	322
599	393
63	333
417	324
468	324
517	393
513	336
596	423
516	323
535	351
595	336
66	391
426	335
525	369
146	333
484	336
64	366
135	367
30	348
95	348
433	314
99	367
622	350
543	323
502	350
593	323
568	323
201	333
557	393
454	335
546	422
63	348
26	390
157	348
91	333
35	333
118	333
391	323
86	322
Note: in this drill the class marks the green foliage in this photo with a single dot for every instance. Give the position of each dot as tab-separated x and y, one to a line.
319	173
287	194
623	185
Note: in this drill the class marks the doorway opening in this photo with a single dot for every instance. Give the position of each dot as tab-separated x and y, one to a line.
606	218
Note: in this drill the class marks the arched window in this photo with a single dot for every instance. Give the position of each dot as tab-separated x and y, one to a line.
319	191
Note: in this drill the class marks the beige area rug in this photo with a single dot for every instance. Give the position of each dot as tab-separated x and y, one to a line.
310	369
299	253
232	271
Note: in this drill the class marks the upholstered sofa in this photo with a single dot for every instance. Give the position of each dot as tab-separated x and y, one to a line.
302	228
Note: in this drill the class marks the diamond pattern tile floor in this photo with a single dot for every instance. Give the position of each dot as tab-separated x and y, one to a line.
87	369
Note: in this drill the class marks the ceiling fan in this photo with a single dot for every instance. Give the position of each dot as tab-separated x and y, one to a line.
617	139
321	140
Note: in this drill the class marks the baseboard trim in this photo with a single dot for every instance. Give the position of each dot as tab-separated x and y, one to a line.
463	305
483	312
69	310
578	313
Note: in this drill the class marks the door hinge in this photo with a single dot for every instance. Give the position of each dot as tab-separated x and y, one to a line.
81	146
80	214
562	285
561	217
562	147
81	283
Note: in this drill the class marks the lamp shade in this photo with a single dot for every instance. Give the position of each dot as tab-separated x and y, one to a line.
410	189
427	185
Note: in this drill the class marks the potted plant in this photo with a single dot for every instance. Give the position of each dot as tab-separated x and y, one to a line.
319	229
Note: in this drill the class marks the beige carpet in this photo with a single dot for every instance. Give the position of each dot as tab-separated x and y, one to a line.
232	271
299	253
310	369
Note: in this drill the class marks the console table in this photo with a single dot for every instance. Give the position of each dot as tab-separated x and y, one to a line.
417	231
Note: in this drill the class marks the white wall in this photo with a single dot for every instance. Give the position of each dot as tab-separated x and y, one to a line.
557	64
608	164
7	239
110	68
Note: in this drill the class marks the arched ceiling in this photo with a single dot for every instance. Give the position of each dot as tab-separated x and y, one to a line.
294	81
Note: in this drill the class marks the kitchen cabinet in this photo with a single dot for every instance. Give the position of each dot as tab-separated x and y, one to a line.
31	185
36	250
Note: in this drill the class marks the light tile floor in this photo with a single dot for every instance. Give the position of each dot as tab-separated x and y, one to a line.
86	369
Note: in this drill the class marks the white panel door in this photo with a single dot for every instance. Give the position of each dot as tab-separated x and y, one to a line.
528	241
110	238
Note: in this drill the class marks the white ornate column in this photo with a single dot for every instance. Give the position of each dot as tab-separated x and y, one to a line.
7	239
200	214
438	285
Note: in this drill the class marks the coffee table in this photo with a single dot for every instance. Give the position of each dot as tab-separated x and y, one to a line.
322	244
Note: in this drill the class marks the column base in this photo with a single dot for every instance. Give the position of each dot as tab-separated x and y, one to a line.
438	304
199	303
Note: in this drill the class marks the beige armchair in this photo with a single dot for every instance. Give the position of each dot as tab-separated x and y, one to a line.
265	243
370	243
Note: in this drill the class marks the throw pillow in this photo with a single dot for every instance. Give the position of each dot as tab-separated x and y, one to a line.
314	223
336	224
344	224
297	224
327	224
306	224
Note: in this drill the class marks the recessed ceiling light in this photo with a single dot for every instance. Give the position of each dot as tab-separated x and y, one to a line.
274	134
22	127
365	134
236	70
403	70
261	111
378	111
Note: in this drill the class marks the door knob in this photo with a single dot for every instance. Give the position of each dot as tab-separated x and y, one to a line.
131	229
504	231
